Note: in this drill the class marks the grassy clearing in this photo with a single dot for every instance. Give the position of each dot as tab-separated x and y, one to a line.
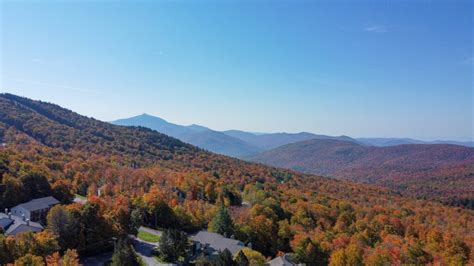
145	236
81	197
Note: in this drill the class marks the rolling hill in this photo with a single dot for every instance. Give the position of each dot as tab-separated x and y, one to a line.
386	142
434	171
267	141
172	184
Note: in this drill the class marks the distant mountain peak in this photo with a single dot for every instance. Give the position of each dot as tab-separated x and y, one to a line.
149	115
197	135
145	117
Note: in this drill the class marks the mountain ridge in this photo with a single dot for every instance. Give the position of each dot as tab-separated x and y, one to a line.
243	144
235	143
445	168
386	142
197	135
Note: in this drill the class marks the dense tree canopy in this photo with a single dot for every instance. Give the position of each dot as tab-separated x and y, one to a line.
146	178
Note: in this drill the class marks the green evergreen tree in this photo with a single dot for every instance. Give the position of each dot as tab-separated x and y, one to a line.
136	220
172	245
222	223
124	255
202	260
224	259
241	259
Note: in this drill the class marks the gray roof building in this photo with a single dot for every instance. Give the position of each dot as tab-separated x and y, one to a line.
36	209
39	204
22	228
5	223
13	225
281	261
213	242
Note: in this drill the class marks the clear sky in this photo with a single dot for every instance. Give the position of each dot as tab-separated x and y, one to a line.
359	68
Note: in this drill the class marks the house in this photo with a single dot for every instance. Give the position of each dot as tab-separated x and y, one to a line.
36	209
211	243
5	222
281	261
13	225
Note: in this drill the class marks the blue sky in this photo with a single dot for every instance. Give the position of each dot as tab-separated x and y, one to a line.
359	68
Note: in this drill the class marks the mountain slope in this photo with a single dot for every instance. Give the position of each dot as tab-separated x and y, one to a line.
385	142
267	141
434	171
176	185
194	134
155	123
60	128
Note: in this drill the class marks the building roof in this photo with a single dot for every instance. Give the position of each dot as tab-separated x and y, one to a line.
47	200
21	228
38	204
218	242
32	206
17	225
5	223
281	261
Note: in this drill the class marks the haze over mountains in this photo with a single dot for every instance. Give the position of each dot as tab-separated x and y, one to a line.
386	142
242	144
233	143
200	136
437	170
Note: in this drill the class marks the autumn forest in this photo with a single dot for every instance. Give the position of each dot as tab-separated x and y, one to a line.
134	176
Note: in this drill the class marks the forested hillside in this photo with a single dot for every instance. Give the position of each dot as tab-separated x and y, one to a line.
148	178
436	171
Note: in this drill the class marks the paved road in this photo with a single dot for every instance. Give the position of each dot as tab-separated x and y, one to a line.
97	260
144	250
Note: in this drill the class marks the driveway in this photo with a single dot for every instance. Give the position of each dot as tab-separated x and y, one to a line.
144	250
97	260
